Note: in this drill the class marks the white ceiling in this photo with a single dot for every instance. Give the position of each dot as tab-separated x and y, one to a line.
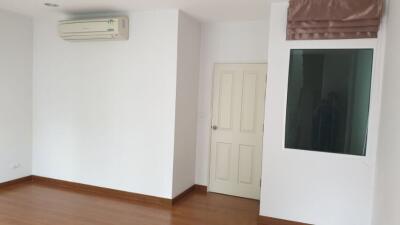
204	10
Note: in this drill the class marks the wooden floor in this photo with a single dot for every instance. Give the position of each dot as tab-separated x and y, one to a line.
37	204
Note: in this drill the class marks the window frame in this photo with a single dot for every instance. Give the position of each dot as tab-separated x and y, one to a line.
375	94
369	105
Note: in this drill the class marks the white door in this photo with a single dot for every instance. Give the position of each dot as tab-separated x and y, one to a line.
237	129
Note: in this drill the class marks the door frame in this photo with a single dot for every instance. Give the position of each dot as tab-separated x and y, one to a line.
211	117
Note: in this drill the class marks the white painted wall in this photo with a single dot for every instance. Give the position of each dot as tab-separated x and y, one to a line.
387	194
237	42
15	95
186	103
305	186
104	112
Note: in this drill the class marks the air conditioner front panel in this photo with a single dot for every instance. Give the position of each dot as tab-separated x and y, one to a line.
88	27
95	29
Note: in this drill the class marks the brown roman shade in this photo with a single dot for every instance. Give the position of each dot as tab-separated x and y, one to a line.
333	19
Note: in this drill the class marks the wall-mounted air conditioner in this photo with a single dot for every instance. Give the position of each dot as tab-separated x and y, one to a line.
111	28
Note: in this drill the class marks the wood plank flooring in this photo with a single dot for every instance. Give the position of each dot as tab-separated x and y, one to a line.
37	204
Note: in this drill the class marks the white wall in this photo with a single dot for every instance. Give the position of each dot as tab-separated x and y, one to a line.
237	42
15	96
305	186
387	194
186	103
104	112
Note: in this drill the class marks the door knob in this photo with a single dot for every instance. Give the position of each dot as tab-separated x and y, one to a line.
214	127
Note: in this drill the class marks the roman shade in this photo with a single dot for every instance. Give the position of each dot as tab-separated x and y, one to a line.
333	19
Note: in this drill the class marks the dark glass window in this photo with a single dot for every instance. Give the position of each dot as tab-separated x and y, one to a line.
328	100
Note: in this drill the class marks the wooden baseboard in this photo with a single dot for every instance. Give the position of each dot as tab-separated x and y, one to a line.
105	192
264	220
200	188
196	188
16	181
183	194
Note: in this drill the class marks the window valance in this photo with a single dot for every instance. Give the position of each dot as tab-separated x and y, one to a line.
333	19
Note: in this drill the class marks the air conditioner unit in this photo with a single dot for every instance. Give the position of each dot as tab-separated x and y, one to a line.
112	28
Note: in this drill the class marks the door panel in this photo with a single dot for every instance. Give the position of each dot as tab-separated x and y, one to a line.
237	129
223	164
225	101
246	162
249	103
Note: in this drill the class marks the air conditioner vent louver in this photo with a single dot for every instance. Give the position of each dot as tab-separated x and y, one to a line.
115	28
